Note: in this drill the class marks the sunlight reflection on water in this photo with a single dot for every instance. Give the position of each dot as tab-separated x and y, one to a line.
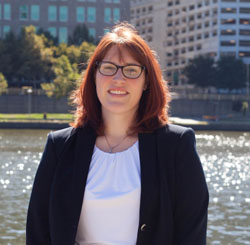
226	161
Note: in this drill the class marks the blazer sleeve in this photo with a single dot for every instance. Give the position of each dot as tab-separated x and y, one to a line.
191	194
37	227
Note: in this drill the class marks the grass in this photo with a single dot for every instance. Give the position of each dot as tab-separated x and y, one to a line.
36	117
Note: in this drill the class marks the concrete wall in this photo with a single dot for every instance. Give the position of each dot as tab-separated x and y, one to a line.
179	107
32	104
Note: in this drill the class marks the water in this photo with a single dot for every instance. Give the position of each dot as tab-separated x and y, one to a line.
226	161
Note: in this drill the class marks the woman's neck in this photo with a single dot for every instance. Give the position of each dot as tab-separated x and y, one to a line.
117	125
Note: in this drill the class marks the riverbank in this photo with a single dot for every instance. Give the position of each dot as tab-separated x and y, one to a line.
229	124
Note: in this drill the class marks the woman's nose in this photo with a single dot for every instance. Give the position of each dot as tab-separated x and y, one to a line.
119	75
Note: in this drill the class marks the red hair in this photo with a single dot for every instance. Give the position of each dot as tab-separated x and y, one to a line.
154	103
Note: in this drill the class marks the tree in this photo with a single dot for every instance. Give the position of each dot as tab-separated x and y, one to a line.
3	83
65	80
231	73
36	58
201	71
80	35
49	39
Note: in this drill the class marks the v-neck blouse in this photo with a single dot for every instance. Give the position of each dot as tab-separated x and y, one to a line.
110	210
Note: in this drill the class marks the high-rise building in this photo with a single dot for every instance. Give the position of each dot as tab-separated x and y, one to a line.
179	30
60	17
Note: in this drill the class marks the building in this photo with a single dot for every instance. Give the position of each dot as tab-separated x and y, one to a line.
179	30
60	17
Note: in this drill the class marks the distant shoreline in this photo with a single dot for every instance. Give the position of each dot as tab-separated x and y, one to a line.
208	126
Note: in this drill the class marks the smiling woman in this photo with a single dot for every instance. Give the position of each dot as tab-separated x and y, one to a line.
121	174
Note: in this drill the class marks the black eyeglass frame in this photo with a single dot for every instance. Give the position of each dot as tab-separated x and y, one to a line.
98	64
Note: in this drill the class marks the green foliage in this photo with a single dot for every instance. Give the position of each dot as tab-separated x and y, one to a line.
65	80
80	35
32	59
3	84
228	72
201	71
231	73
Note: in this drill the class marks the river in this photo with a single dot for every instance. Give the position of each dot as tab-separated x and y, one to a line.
226	161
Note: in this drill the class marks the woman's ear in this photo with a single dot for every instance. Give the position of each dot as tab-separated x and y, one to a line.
145	86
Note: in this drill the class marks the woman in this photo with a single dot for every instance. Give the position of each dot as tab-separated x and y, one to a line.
121	174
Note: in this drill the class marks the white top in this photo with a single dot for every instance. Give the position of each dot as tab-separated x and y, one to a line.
110	210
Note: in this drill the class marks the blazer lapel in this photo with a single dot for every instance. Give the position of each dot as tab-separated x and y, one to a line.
85	141
149	184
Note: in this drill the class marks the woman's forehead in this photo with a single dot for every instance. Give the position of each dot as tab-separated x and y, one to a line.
122	54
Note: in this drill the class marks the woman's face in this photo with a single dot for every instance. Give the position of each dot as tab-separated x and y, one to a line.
117	93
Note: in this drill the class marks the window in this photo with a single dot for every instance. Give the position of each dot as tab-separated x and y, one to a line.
245	21
245	1
207	24
63	35
116	1
63	13
191	48
245	10
228	1
206	35
105	31
191	39
107	15
80	14
116	14
228	21
0	11
228	10
52	13
199	26
245	32
244	54
52	31
35	12
92	32
23	12
183	40
91	14
6	30
245	43
228	43
191	7
6	12
183	50
108	1
228	32
198	37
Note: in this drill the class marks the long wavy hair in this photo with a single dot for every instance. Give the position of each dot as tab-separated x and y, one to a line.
154	103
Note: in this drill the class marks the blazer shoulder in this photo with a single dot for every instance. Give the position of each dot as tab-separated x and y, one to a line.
174	130
63	134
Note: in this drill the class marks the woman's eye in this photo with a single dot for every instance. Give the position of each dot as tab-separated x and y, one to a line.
109	68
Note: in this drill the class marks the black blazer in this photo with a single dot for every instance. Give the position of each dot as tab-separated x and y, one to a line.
174	194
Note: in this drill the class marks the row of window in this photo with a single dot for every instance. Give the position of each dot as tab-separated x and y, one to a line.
91	1
190	39
243	43
234	10
192	6
242	21
198	15
192	27
142	10
144	22
60	13
231	32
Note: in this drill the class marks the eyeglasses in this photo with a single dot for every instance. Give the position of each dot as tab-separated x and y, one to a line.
110	69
